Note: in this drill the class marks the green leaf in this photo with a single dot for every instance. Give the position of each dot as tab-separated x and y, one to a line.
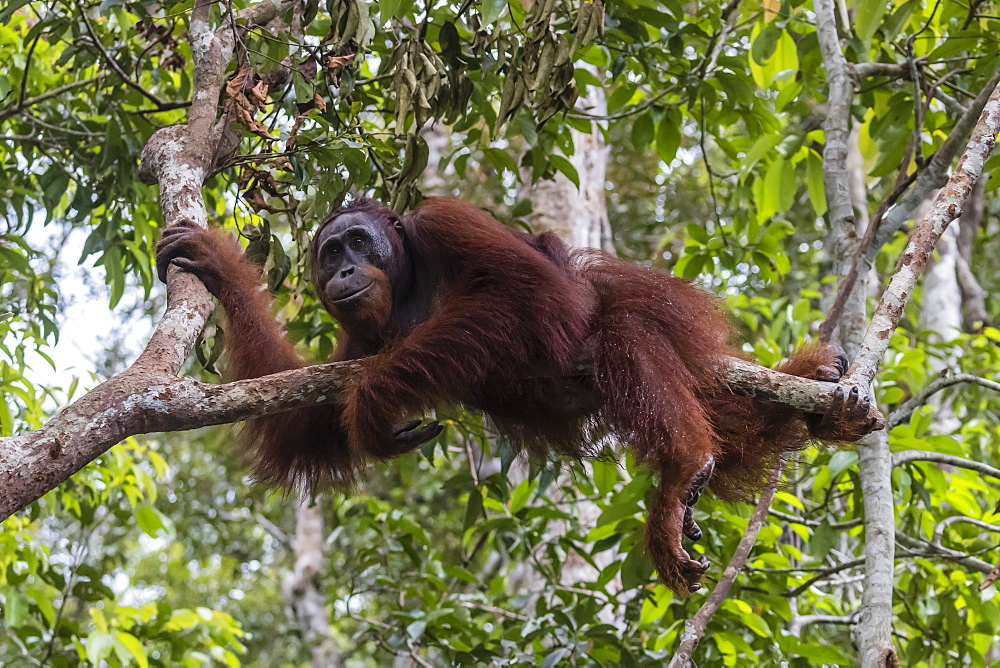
605	475
656	605
767	62
668	138
643	131
491	11
841	460
636	569
566	167
149	520
868	18
698	233
814	183
502	159
760	148
99	646
520	496
388	9
15	608
473	509
133	647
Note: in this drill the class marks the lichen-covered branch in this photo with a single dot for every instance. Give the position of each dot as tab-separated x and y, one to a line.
947	206
148	397
811	396
140	401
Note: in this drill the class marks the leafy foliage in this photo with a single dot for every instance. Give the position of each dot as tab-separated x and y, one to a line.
713	123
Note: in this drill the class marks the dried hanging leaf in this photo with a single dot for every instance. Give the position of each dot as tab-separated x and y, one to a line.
245	95
255	198
267	182
334	65
991	577
308	68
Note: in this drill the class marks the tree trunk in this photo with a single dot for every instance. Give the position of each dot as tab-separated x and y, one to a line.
303	593
941	315
578	215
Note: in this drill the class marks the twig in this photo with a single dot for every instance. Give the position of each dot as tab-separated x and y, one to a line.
849	524
796	624
935	551
903	413
27	69
846	286
936	173
111	61
15	109
694	628
906	456
822	575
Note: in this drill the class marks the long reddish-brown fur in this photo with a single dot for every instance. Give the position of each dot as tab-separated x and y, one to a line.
497	320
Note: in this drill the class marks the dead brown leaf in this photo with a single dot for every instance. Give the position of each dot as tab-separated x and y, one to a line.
245	95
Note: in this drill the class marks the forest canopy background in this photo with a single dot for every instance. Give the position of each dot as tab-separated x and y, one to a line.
732	143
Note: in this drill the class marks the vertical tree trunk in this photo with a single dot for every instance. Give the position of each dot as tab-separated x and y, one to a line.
941	315
578	215
873	635
973	295
303	595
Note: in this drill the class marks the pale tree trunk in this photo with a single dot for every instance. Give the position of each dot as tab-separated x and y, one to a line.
304	597
578	215
973	295
873	635
941	315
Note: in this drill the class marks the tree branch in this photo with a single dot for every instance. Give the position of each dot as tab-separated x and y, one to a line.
935	174
874	635
148	397
938	534
937	551
947	207
903	413
15	109
796	624
110	60
823	574
694	628
142	398
904	456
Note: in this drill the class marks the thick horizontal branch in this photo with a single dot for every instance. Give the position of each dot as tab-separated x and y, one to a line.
811	396
141	402
149	398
